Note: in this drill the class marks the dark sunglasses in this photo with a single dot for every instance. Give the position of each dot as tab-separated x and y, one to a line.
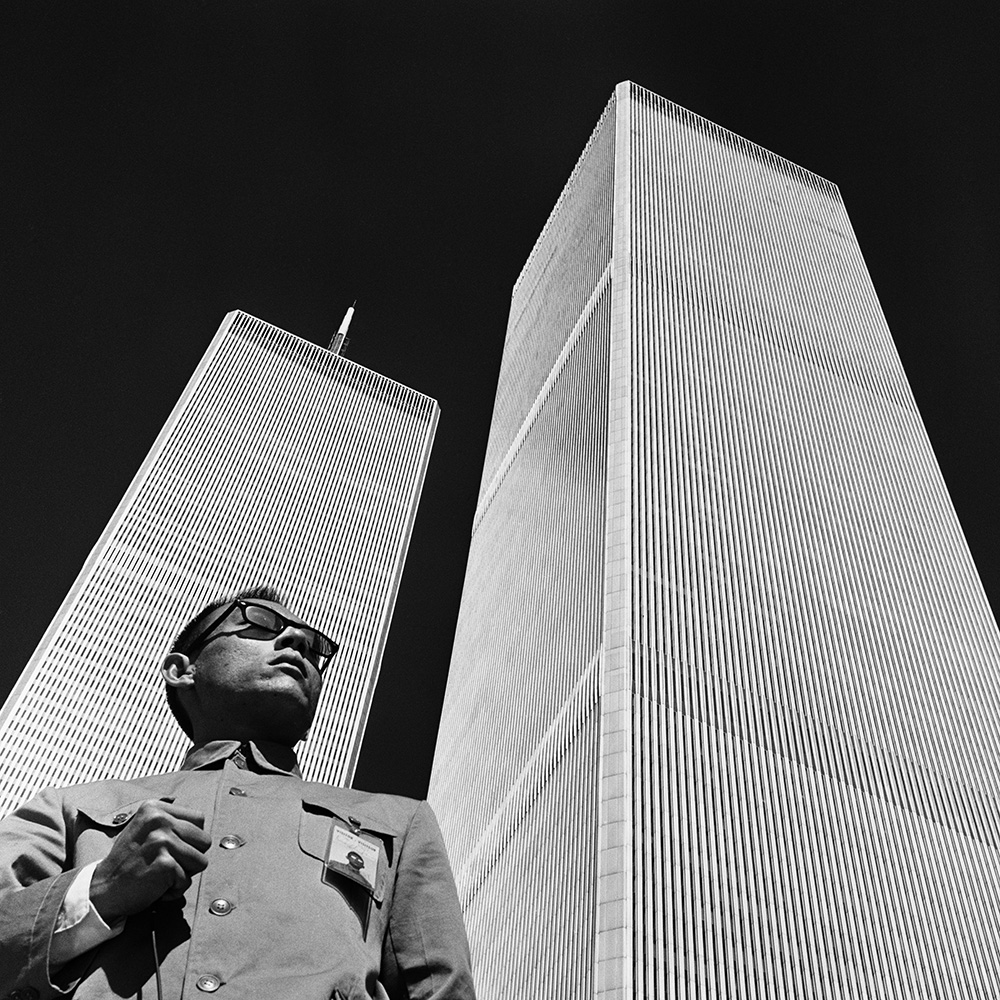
257	621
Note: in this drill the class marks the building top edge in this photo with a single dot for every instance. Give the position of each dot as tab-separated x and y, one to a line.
627	88
731	138
564	193
234	314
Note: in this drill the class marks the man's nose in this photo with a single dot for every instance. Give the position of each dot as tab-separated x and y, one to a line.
292	638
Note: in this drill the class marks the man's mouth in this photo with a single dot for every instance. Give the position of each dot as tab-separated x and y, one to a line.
292	660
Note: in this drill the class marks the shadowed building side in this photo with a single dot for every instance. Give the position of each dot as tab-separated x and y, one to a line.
722	703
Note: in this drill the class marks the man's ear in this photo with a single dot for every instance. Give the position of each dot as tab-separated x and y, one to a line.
178	670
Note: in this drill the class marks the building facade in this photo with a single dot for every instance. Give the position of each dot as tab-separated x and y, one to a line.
722	712
281	464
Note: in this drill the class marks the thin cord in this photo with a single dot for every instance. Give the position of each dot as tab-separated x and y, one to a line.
156	956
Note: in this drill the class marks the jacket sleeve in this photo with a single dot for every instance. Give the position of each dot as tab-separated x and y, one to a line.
426	952
33	883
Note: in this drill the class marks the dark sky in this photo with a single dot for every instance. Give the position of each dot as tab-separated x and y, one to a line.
163	163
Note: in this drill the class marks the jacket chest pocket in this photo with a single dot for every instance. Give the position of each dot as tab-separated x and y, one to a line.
355	855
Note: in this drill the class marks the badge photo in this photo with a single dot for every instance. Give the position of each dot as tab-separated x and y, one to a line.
356	865
354	856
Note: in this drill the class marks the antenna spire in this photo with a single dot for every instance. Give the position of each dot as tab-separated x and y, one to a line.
339	340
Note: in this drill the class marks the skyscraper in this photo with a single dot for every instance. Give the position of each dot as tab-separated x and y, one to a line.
722	711
282	463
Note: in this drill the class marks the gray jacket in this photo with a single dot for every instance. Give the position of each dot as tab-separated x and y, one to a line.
292	923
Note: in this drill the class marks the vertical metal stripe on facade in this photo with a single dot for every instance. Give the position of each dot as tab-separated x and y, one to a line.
281	464
794	774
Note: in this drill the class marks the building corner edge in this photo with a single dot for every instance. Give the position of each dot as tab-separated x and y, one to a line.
614	897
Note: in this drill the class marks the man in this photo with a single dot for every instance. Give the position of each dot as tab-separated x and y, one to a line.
232	875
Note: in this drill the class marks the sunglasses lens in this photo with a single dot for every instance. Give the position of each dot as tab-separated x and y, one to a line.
318	643
265	618
261	623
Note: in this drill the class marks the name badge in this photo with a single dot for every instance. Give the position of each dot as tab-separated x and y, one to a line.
353	856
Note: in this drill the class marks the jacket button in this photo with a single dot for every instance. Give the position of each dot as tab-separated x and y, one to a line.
220	907
238	791
28	993
230	842
208	984
120	818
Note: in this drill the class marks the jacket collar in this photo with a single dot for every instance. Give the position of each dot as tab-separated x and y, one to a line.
270	758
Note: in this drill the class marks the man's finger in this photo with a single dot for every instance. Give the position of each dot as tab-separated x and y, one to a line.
189	858
180	812
191	834
181	884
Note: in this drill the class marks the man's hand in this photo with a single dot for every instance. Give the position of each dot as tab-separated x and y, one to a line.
154	857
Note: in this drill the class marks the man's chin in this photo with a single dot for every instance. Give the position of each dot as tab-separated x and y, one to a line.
287	691
284	728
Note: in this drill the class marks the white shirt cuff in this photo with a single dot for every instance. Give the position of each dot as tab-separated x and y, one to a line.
79	926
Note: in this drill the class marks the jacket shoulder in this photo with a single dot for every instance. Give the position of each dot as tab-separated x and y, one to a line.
104	796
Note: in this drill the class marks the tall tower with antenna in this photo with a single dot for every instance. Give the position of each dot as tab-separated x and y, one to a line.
313	491
724	699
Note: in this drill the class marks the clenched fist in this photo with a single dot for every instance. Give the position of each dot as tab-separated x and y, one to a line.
154	858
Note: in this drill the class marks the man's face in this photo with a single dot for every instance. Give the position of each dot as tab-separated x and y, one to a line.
258	688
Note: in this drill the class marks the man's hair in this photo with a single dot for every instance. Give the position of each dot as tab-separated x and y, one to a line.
190	632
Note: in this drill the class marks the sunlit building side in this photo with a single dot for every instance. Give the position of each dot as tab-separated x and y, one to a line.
282	463
723	705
